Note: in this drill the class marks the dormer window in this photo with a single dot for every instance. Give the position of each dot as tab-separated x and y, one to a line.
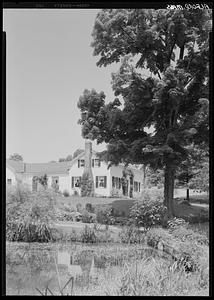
81	163
96	162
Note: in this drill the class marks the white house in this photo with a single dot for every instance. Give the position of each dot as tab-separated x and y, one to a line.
67	176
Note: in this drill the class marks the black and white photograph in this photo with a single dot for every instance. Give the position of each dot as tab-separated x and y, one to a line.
107	140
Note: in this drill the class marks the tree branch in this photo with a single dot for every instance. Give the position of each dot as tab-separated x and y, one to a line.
162	40
127	33
170	53
189	81
159	75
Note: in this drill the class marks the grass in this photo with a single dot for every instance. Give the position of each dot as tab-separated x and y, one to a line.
72	201
203	199
191	213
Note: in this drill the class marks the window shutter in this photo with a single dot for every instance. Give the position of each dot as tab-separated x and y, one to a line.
139	186
112	181
72	184
105	179
92	163
99	163
78	163
96	181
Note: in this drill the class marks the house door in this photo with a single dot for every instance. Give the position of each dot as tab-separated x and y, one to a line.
55	183
125	187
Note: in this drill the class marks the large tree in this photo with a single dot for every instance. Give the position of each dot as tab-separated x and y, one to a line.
171	98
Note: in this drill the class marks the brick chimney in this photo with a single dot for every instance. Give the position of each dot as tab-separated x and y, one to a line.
87	186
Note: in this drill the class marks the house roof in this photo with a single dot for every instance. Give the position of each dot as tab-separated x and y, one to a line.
47	168
43	168
17	166
40	168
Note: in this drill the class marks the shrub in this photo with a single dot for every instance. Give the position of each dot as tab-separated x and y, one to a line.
28	232
28	214
88	217
66	193
103	236
175	223
88	235
156	235
121	221
148	213
57	234
79	207
18	202
89	207
131	235
104	216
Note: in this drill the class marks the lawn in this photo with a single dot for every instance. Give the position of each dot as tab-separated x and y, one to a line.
72	201
192	213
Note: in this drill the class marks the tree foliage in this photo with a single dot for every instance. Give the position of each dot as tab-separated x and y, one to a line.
68	158
77	152
198	156
16	157
173	99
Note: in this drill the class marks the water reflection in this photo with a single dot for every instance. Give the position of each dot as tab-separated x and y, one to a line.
33	271
78	265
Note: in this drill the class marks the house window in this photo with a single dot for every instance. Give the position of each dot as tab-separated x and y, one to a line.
101	181
9	181
75	181
136	186
81	163
113	182
95	163
55	182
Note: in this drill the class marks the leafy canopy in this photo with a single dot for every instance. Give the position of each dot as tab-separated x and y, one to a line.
173	99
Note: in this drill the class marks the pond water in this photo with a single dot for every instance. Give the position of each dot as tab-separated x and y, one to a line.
44	269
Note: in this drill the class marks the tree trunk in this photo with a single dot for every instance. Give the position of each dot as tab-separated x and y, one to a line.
169	188
144	176
187	194
181	52
187	182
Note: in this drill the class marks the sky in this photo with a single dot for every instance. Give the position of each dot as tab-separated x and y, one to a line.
49	64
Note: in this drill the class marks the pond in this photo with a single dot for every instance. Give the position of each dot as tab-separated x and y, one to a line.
63	269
